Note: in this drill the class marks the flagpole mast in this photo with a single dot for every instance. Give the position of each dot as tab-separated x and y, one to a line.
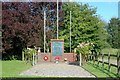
70	31
57	19
44	29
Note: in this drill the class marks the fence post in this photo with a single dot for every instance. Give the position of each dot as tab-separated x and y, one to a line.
90	57
102	59
33	59
109	62
118	63
22	56
37	57
98	58
80	59
94	58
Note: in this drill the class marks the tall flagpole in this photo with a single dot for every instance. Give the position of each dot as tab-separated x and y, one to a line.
44	30
57	19
70	31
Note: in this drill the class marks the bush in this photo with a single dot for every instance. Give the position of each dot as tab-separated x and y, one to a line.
28	54
84	49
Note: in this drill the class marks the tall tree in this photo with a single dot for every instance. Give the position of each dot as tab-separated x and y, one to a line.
86	26
23	25
113	29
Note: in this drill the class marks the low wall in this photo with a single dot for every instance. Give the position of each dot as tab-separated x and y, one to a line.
42	55
70	57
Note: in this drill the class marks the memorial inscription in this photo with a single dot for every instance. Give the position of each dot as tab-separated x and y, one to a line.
57	48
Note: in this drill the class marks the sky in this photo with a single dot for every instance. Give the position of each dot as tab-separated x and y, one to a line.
106	9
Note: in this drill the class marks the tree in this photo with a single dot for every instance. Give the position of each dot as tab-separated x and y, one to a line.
23	25
15	31
86	26
113	30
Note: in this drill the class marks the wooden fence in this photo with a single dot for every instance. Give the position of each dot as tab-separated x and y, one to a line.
108	62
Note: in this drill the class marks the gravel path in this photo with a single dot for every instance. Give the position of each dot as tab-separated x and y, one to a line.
56	70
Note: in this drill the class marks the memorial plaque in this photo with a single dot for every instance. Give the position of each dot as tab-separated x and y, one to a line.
57	47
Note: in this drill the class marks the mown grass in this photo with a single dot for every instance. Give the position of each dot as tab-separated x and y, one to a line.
13	68
110	50
100	71
0	68
106	57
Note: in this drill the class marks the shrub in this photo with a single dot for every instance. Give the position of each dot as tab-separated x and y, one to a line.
28	54
85	50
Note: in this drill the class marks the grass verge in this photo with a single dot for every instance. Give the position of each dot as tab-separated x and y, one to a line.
0	68
99	71
13	68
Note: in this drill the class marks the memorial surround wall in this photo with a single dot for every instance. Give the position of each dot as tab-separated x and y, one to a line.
70	57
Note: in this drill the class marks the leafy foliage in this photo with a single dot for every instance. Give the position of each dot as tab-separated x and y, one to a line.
86	26
85	49
113	30
28	54
23	25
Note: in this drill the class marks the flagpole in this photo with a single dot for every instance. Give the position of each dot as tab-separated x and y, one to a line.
44	30
70	31
57	19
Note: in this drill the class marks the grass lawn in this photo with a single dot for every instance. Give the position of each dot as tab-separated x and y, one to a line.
0	68
110	50
13	68
99	71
